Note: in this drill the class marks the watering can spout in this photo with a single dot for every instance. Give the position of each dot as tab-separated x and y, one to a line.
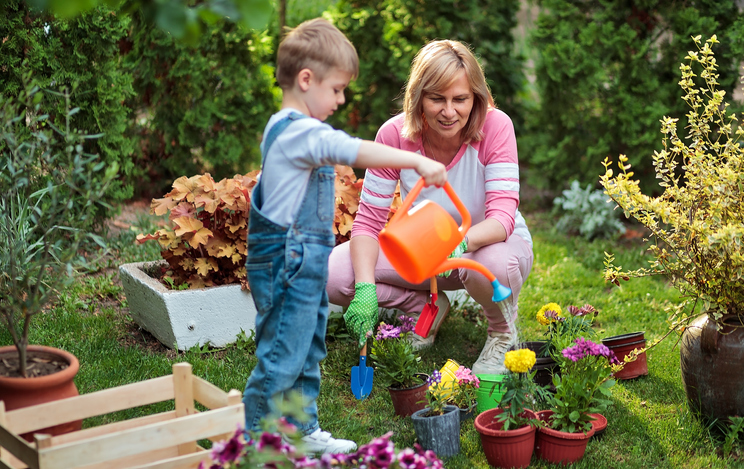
500	292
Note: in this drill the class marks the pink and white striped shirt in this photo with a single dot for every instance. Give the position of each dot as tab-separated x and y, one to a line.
484	174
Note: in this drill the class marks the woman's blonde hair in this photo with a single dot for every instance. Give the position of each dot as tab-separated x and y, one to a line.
318	45
433	70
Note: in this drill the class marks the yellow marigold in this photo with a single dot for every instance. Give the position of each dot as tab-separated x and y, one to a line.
548	307
520	361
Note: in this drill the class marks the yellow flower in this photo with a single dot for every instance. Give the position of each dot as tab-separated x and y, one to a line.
520	361
548	307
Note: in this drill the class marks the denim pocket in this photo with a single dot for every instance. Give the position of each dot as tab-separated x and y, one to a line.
260	279
326	195
294	261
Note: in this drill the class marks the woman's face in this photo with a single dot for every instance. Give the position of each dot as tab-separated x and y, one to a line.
447	112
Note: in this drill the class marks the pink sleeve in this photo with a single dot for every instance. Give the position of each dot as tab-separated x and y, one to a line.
379	188
498	153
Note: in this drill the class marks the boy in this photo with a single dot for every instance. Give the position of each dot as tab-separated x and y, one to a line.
290	224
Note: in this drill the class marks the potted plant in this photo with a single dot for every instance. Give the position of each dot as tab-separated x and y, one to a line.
464	396
204	246
508	432
562	329
397	366
437	425
51	191
696	228
582	388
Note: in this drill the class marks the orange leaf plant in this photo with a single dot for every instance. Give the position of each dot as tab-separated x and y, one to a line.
205	241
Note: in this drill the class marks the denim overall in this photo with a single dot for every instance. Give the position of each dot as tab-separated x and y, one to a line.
287	270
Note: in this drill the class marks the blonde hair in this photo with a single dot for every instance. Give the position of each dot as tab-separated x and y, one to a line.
434	69
318	45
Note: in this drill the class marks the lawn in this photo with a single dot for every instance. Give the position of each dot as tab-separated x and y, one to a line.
650	424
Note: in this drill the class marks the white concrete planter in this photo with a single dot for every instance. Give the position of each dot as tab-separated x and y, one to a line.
182	319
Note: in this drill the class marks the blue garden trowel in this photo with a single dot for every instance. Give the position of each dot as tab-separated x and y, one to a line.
361	376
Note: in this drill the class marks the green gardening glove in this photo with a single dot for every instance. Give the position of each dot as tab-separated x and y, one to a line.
361	315
460	249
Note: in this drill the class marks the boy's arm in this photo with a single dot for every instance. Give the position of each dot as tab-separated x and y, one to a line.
377	155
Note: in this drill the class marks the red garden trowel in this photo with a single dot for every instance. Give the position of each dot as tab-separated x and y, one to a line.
361	376
429	313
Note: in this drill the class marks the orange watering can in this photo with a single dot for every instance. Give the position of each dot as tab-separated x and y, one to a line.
417	243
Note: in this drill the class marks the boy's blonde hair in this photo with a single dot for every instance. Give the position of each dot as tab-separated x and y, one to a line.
317	45
433	70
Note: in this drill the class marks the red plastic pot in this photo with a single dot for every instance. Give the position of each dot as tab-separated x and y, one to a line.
408	400
505	448
622	345
560	447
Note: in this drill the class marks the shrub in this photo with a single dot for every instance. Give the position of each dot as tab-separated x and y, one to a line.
200	109
48	199
388	33
81	55
588	212
606	72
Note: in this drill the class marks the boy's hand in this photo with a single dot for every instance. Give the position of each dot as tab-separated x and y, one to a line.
361	315
432	171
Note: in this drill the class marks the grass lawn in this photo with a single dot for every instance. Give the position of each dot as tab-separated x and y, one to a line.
650	424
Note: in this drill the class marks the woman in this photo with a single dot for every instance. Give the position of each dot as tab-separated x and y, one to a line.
449	116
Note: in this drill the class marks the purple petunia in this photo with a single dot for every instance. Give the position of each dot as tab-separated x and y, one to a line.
585	348
435	378
387	331
407	324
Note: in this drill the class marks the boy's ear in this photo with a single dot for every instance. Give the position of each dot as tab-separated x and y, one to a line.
304	78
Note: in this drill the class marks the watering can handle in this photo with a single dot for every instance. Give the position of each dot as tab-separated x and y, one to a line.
411	196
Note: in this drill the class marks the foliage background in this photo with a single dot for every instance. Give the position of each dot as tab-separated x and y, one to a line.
606	73
82	55
388	33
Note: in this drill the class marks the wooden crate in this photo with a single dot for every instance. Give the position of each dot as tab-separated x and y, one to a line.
164	440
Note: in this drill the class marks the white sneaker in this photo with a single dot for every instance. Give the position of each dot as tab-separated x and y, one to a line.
322	442
419	342
491	359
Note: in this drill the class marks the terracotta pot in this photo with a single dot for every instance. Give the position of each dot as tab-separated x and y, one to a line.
600	425
406	401
505	448
622	345
25	392
545	366
711	363
560	447
439	433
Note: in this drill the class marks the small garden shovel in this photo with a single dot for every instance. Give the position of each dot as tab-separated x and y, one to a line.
361	376
429	313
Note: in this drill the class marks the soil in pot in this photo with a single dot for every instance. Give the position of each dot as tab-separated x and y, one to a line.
504	449
19	392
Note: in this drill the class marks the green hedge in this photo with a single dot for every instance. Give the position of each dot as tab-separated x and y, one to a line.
607	72
82	55
203	108
388	33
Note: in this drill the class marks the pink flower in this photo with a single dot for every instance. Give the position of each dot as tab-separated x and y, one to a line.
387	331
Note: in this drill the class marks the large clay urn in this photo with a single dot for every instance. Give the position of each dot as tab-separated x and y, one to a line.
711	362
24	392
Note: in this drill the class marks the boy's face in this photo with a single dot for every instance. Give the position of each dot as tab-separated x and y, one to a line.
324	97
